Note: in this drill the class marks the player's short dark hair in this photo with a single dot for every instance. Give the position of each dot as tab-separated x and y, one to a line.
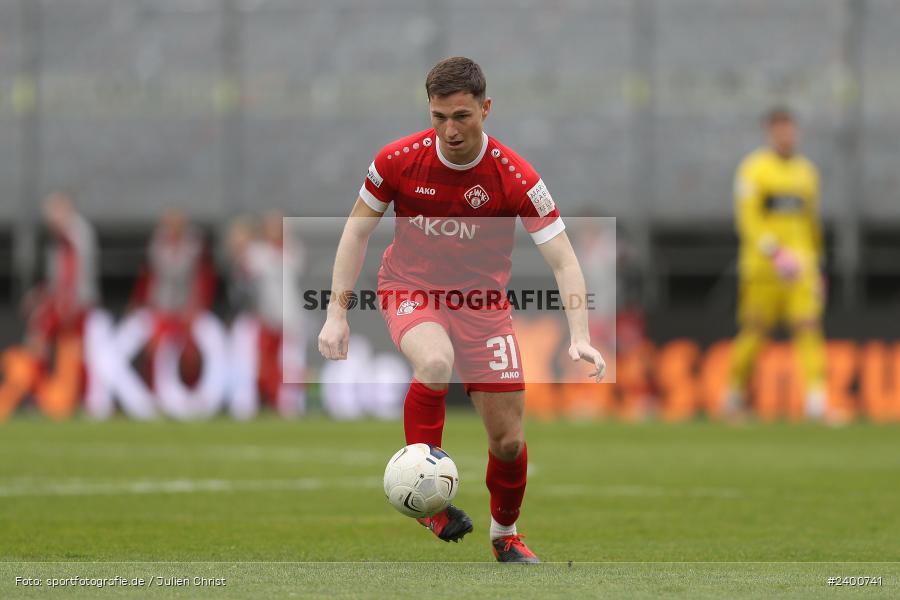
456	74
778	114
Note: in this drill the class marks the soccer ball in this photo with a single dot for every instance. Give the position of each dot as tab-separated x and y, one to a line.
420	480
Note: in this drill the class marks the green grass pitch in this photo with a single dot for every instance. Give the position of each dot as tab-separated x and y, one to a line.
295	509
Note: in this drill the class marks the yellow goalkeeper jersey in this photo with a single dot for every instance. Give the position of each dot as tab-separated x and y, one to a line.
776	206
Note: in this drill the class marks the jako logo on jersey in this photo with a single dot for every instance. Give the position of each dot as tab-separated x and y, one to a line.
373	175
426	191
476	196
445	227
407	307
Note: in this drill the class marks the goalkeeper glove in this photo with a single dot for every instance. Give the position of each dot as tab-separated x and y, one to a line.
786	263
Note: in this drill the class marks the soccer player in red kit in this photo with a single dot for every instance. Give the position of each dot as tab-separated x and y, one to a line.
443	182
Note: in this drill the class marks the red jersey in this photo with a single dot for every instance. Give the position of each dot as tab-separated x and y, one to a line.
455	224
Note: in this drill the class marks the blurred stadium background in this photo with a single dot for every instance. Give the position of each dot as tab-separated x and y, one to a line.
638	110
633	109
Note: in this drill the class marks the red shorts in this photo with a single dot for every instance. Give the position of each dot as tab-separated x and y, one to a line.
484	343
48	321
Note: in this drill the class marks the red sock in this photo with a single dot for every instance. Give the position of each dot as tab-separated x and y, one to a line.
506	482
423	414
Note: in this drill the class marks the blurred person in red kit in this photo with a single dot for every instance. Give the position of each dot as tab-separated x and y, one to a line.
50	364
269	265
178	283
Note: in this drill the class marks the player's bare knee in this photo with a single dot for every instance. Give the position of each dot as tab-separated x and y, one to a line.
435	368
507	448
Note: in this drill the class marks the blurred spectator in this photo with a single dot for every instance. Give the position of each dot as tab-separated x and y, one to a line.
268	268
50	366
611	275
631	325
176	285
60	304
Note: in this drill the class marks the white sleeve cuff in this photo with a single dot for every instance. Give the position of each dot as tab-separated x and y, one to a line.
371	201
544	235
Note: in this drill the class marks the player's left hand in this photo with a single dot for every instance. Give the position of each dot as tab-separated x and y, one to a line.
584	351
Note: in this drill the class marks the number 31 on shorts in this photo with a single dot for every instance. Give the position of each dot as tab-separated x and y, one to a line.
503	357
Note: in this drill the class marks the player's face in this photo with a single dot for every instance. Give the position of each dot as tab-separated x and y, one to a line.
783	137
458	120
58	211
173	224
272	227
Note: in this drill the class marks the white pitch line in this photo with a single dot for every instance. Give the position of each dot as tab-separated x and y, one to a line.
16	488
78	487
206	451
637	491
236	452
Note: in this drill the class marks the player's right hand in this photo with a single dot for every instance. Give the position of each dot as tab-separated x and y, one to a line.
584	351
334	338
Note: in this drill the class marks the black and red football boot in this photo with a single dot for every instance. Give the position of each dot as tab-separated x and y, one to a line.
450	525
511	549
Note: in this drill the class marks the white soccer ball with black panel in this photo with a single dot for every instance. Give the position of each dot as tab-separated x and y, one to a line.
420	480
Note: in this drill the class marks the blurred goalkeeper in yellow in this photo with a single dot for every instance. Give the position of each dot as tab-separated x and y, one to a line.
777	219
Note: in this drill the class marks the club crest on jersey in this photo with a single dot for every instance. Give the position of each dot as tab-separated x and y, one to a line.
476	196
407	307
